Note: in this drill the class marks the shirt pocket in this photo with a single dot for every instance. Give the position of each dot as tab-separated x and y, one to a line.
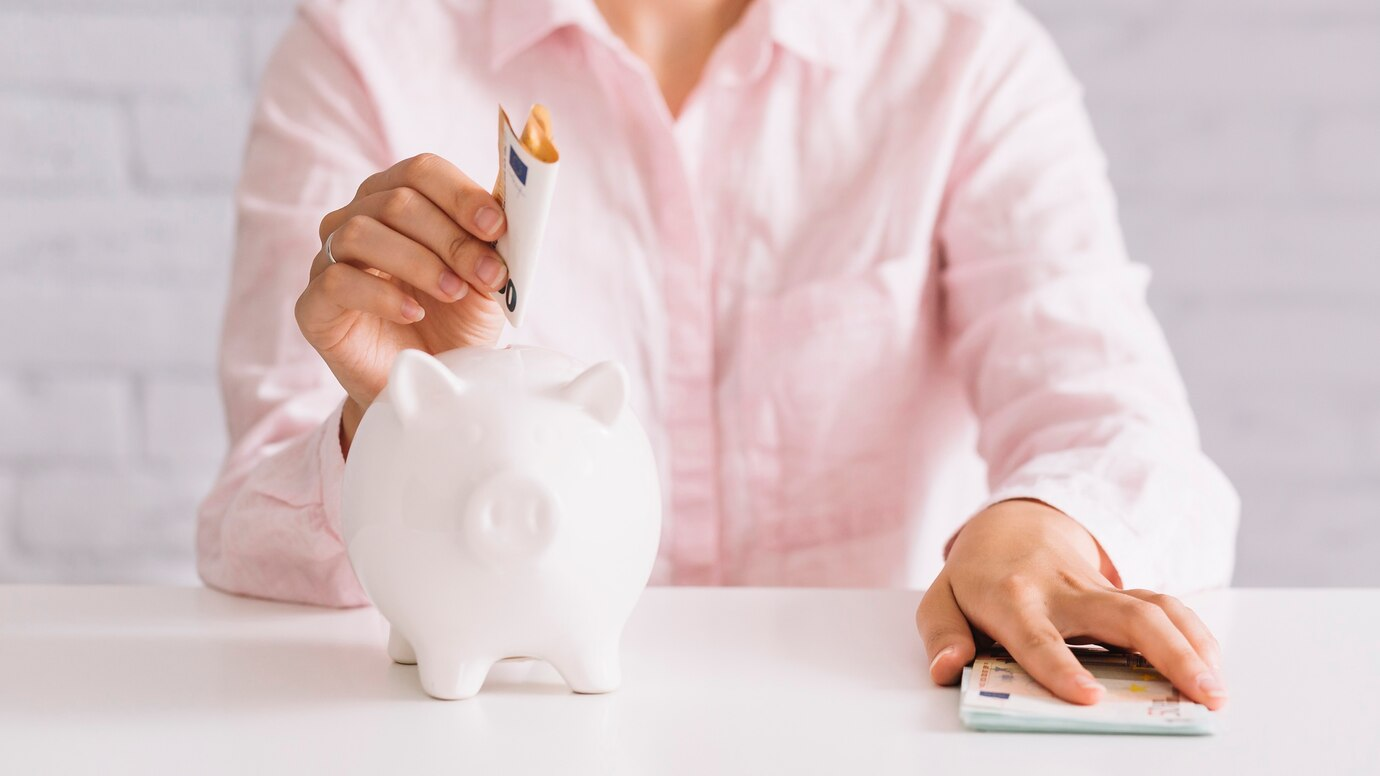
825	386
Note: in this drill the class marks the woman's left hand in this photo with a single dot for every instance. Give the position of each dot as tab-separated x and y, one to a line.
1030	577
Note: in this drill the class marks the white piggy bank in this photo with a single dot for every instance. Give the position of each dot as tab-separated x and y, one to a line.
502	503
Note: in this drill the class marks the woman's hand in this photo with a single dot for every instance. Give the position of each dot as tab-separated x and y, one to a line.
413	269
1028	576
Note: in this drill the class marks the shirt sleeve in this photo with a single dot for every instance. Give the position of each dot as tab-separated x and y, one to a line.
1080	404
270	526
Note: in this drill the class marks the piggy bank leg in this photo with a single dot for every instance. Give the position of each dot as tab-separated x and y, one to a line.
590	669
399	648
451	676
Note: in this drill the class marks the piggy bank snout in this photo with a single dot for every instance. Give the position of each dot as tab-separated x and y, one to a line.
511	516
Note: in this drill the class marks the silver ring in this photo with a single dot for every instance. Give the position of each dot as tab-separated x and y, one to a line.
329	258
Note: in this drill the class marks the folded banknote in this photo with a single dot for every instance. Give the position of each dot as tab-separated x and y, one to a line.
997	694
527	167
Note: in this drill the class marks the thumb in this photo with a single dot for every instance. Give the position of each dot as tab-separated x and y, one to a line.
945	631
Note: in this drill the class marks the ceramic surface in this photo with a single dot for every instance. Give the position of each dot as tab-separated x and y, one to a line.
502	503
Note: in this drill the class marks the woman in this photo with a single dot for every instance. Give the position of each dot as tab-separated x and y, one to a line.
838	246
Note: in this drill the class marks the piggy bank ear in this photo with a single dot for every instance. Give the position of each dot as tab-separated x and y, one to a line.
601	390
418	378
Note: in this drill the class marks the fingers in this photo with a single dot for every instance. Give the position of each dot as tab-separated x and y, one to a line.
1133	622
412	215
1188	623
409	213
463	200
340	288
946	633
365	242
1039	648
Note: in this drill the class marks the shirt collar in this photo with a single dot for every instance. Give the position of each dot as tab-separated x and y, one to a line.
517	25
815	30
819	31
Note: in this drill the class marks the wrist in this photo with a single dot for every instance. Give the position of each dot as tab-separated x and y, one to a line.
1082	539
1065	528
351	413
1034	523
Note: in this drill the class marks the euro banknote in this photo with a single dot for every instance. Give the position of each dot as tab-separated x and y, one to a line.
527	166
997	694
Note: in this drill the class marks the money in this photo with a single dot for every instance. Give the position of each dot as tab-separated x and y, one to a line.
997	694
527	166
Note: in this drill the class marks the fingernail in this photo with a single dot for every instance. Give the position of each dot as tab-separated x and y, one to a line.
451	285
488	219
412	311
1089	683
490	270
943	653
1211	685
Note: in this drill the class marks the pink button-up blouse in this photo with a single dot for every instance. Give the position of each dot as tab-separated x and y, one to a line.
869	281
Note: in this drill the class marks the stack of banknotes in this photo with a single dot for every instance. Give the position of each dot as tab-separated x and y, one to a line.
997	694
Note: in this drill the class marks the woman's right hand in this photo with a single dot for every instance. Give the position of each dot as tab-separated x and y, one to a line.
414	269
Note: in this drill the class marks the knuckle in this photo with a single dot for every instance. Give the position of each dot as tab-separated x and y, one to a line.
1040	639
1195	624
1136	609
1180	659
937	635
1164	601
1145	620
458	246
353	229
368	184
1155	615
397	202
1186	656
419	165
333	279
1015	586
465	198
328	223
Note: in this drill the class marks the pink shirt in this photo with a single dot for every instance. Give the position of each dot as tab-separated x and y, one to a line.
870	281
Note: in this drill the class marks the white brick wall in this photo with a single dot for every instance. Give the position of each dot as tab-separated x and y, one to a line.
53	144
121	127
1244	137
64	421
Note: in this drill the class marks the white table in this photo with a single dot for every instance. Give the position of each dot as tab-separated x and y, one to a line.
185	680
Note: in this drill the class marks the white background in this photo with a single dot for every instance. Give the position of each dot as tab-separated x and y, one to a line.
1244	137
